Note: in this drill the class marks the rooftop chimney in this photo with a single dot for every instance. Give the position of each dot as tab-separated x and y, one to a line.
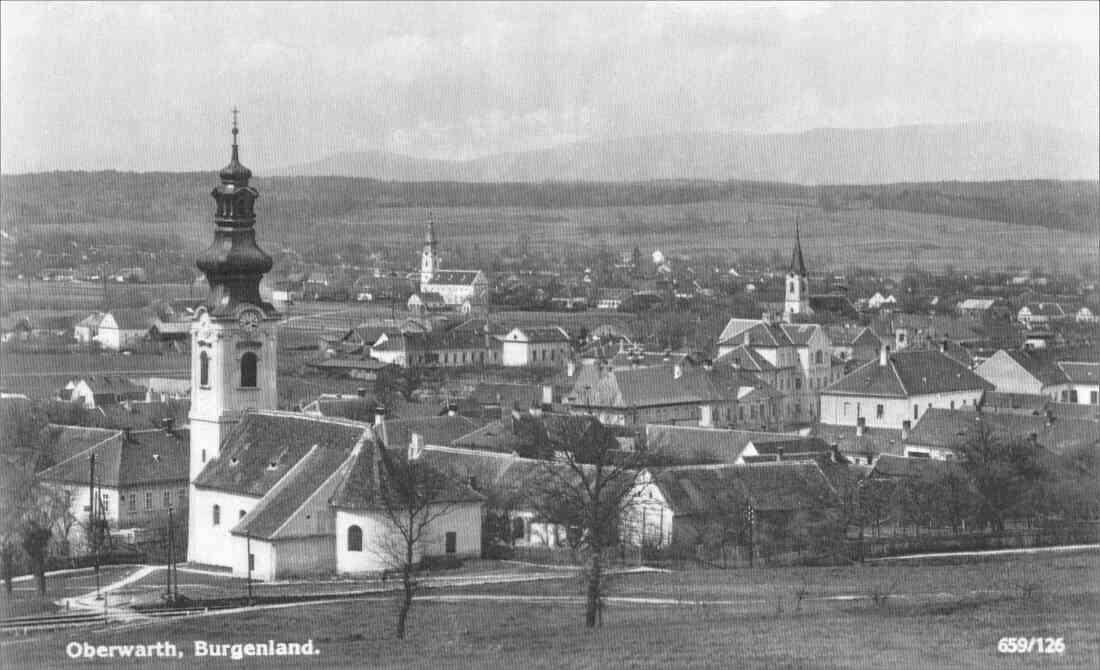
677	371
943	346
379	415
884	355
779	453
547	394
452	409
905	427
861	426
747	339
570	369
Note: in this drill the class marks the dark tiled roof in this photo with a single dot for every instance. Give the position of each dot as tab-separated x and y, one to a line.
506	395
746	358
800	333
909	373
874	441
760	334
543	334
265	445
832	302
1081	373
133	319
686	445
847	335
115	385
950	429
529	435
437	430
60	443
1046	372
147	457
142	415
889	465
658	385
353	408
359	490
768	487
291	492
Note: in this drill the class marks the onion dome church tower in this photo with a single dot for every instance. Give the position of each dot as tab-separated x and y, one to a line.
233	359
797	293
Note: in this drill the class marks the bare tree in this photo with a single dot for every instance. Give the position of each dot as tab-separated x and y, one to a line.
585	484
412	496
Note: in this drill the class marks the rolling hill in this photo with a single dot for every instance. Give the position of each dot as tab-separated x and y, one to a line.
959	152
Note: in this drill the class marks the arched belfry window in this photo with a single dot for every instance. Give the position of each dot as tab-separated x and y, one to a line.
355	538
248	370
204	369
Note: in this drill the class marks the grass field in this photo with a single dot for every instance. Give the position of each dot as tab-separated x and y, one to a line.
933	617
883	239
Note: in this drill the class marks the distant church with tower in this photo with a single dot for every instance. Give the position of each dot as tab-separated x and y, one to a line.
465	290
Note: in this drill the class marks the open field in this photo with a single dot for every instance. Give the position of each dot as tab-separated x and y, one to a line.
884	239
943	616
40	375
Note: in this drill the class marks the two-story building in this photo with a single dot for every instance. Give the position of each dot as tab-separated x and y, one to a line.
895	390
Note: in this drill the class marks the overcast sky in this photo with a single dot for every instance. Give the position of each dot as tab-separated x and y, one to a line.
149	86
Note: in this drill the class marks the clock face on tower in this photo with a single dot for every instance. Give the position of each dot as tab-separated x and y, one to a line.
249	321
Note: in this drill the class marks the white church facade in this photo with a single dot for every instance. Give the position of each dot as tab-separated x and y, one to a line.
465	290
277	494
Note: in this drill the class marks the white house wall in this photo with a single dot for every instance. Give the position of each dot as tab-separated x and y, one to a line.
843	410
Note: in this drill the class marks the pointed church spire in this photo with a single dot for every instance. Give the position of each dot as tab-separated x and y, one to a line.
798	265
430	238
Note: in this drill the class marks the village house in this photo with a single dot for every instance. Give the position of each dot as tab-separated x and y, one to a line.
87	329
895	390
850	342
121	329
138	476
529	346
1083	380
711	395
675	506
93	392
1041	314
691	445
448	349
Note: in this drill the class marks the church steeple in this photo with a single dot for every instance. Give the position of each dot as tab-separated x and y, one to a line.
798	265
796	300
429	259
234	264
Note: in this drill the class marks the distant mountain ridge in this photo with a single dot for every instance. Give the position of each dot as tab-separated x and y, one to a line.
925	153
